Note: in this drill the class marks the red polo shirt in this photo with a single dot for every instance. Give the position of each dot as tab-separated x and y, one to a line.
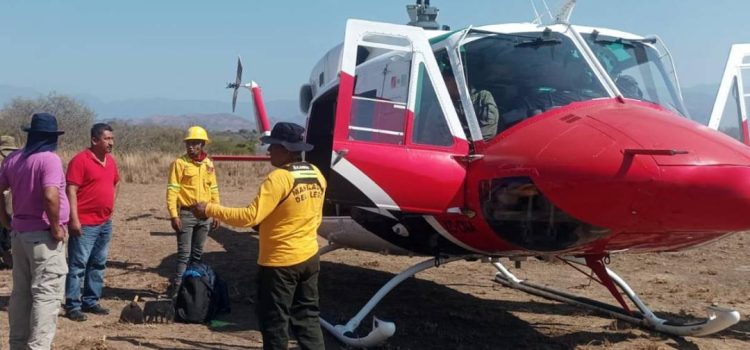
96	186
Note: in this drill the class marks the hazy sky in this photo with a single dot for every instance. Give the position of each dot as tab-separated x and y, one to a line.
187	49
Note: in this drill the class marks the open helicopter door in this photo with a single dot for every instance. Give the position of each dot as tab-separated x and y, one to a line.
398	144
729	114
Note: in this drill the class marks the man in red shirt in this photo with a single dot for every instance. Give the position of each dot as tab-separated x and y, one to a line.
92	180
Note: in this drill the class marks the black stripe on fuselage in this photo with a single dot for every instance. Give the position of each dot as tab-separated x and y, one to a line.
409	231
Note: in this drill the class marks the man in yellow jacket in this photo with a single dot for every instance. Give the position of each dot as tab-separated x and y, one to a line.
192	179
289	210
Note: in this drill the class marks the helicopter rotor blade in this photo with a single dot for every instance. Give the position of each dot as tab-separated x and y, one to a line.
234	99
239	71
236	84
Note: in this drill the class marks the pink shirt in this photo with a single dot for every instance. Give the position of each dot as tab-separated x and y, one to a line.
27	178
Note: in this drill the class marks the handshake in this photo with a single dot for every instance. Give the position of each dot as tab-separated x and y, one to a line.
199	210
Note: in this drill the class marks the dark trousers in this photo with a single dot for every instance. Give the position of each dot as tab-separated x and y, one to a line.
289	296
190	241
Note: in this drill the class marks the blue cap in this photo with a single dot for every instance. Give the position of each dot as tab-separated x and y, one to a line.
43	123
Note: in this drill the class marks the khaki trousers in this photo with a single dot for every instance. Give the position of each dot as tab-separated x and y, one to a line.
39	269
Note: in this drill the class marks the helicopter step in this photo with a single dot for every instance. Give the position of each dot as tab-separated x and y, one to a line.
718	318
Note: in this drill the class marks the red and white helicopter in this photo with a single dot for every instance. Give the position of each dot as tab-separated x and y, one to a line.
592	154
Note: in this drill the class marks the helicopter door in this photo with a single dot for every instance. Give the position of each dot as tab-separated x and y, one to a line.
729	114
396	145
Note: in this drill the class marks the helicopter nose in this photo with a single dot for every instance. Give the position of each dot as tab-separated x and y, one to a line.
636	166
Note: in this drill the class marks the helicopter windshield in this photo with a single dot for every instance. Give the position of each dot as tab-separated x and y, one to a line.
638	69
527	74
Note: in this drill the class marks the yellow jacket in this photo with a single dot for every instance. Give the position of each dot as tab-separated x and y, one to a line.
191	182
289	209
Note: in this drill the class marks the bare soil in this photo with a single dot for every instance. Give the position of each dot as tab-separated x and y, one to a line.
455	306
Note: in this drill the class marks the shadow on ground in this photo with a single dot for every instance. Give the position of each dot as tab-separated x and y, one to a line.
148	343
427	314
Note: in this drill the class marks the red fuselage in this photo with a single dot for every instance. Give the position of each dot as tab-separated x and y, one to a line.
643	177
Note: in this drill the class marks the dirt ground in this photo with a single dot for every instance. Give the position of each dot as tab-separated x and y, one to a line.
455	306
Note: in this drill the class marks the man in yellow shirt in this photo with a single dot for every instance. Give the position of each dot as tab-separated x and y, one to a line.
192	179
289	209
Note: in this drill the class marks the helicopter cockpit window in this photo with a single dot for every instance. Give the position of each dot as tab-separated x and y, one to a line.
638	69
430	126
378	111
527	74
731	118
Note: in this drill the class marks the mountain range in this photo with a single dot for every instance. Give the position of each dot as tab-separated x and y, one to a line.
215	115
699	101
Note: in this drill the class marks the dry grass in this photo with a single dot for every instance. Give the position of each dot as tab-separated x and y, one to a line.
152	168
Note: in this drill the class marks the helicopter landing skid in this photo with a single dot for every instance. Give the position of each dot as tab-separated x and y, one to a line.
718	318
381	330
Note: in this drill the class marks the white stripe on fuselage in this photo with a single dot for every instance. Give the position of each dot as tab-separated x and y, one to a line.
379	211
364	183
383	201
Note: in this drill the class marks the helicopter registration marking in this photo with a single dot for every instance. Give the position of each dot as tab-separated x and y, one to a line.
459	226
443	231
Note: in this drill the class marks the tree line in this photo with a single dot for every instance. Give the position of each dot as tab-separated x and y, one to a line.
76	119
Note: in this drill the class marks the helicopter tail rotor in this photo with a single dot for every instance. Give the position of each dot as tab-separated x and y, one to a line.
236	84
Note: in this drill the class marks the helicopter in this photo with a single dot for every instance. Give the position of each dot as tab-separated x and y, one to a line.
518	140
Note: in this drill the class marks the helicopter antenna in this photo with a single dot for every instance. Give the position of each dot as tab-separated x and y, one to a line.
563	15
548	10
423	15
537	17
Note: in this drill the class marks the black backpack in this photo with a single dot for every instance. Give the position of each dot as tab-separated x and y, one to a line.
202	295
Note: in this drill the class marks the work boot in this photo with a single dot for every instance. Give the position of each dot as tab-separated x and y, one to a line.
173	289
75	315
96	309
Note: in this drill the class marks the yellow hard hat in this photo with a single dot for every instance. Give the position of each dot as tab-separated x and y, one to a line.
197	133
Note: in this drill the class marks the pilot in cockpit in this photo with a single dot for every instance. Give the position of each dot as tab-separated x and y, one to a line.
485	107
628	86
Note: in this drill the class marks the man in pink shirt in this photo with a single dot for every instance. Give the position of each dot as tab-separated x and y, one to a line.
40	213
92	178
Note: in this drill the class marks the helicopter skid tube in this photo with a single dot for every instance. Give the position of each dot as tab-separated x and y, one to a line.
718	318
381	330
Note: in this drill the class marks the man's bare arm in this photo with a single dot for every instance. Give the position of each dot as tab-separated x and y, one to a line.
52	208
74	226
4	218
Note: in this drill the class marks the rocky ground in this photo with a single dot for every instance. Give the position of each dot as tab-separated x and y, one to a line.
455	306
